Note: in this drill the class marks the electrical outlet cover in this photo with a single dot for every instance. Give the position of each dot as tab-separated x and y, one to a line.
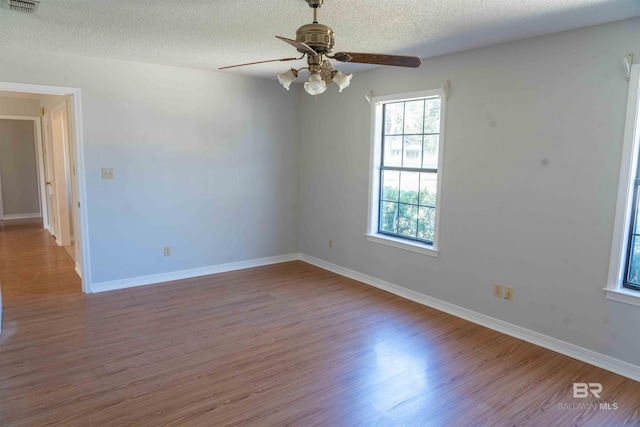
508	293
497	290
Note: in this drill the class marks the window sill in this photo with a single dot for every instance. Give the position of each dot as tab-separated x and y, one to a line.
420	248
623	295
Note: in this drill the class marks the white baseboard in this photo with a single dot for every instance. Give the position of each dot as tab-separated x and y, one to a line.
21	216
78	270
588	356
187	274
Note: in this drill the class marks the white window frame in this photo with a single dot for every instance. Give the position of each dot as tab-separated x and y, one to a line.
374	175
628	169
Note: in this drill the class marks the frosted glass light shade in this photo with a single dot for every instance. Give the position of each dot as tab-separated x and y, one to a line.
287	78
315	85
342	80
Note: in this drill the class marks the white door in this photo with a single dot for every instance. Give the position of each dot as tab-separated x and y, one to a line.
61	176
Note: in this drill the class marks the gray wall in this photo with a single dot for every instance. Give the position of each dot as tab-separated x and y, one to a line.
531	162
206	163
18	168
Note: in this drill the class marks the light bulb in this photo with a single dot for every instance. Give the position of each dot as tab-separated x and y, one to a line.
315	85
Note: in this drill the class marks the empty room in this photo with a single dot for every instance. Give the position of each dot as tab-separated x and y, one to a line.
320	213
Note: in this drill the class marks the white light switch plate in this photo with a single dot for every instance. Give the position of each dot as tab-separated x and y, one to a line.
107	173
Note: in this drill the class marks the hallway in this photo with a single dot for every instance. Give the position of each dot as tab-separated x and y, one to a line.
32	265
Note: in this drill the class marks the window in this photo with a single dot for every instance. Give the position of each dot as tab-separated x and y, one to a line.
406	162
624	268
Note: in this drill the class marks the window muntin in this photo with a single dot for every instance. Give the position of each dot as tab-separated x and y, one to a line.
408	181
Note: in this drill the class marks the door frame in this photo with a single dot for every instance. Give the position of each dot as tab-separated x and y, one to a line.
82	239
37	140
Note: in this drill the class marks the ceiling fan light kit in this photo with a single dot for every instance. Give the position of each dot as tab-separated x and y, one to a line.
315	85
315	41
341	79
287	78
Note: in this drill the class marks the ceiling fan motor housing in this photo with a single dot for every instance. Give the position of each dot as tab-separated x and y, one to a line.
319	37
314	3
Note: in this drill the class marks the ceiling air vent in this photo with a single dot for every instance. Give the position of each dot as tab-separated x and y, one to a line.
23	5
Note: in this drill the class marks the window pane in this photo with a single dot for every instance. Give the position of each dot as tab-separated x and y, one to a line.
432	116
430	151
392	151
390	185
409	186
388	217
413	117
636	226
633	262
407	220
633	276
426	223
393	118
412	153
428	189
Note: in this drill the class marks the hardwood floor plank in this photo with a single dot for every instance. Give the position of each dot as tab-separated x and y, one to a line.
287	344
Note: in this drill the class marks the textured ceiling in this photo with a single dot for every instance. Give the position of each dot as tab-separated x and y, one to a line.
207	34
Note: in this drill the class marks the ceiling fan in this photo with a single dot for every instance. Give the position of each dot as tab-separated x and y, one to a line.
315	41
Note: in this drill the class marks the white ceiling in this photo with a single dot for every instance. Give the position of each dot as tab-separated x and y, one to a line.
207	34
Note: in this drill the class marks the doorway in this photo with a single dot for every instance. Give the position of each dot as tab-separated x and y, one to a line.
21	169
71	162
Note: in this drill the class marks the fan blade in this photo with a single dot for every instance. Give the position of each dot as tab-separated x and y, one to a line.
259	62
302	48
378	59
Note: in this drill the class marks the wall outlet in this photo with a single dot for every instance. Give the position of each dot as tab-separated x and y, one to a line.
167	251
107	173
508	293
497	290
330	244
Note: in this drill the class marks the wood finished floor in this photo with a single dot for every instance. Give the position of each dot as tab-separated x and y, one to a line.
288	344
